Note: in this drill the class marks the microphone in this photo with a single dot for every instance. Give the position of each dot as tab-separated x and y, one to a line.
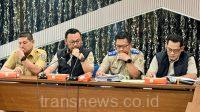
42	75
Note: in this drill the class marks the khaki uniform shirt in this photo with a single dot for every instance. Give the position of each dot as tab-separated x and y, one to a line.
114	66
192	69
37	57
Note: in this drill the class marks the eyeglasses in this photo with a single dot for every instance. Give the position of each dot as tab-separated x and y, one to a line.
73	42
121	46
173	50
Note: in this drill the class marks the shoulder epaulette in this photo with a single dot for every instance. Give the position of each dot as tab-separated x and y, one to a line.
40	50
135	51
112	53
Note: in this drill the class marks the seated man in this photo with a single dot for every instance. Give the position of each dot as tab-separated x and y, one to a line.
174	61
74	60
27	60
125	60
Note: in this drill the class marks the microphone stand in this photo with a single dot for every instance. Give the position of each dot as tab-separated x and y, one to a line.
43	76
71	78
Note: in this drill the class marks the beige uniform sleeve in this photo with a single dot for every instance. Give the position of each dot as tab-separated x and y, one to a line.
41	62
105	65
54	61
153	67
90	59
139	62
192	69
11	61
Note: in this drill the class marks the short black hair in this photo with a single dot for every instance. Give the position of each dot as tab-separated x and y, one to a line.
71	31
123	36
28	35
175	38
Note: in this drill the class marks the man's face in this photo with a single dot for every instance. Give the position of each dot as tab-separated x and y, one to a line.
173	50
25	45
74	41
122	46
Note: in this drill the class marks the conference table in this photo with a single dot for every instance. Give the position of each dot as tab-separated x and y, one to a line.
30	94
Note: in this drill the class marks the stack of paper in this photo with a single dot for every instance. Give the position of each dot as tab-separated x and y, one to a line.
109	78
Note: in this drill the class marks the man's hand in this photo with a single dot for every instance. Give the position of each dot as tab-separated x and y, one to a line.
18	70
100	73
151	74
123	56
20	53
77	53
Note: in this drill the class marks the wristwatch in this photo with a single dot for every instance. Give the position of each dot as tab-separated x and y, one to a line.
128	61
23	58
82	59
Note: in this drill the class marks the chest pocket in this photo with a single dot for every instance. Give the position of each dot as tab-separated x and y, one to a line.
116	67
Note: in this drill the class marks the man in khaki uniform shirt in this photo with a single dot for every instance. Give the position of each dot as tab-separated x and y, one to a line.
174	61
26	60
125	60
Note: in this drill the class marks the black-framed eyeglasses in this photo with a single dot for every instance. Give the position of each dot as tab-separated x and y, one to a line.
76	41
121	46
173	50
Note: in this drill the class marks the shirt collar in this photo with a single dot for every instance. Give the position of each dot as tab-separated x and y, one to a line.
172	61
32	52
